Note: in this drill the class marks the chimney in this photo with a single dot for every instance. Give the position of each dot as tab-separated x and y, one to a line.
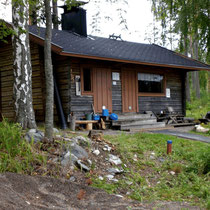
75	19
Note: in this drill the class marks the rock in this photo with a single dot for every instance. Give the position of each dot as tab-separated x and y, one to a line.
152	157
72	179
110	177
96	152
161	159
82	141
135	158
67	139
115	171
55	130
77	150
119	196
68	159
101	178
199	128
58	136
107	148
82	166
32	130
128	182
90	162
114	159
34	134
172	173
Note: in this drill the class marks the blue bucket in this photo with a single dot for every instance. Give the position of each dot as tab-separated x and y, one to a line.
113	116
105	112
96	117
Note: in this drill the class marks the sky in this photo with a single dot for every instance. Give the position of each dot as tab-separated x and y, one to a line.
137	14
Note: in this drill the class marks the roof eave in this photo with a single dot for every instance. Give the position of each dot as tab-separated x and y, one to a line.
59	50
38	40
190	68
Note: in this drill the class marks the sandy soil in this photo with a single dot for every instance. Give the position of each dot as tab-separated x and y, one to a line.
29	192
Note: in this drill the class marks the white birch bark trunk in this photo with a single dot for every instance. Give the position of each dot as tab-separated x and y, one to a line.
22	66
48	74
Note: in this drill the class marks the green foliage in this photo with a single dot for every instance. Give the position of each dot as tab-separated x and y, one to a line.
5	31
150	178
197	108
16	154
189	19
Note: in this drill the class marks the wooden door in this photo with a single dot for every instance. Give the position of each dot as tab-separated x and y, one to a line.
129	91
102	89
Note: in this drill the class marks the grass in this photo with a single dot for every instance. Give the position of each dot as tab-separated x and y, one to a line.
16	154
197	108
150	177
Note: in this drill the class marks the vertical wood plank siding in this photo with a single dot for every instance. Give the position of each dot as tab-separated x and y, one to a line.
156	104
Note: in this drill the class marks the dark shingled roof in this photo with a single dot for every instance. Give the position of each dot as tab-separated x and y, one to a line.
113	49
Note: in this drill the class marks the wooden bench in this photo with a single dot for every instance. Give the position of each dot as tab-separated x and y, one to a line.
89	123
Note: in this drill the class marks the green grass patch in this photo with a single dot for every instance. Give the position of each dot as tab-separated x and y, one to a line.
16	154
197	108
150	171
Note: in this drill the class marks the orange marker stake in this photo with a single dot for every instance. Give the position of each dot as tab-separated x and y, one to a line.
169	147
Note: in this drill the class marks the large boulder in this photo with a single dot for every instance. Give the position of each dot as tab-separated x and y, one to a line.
73	153
35	135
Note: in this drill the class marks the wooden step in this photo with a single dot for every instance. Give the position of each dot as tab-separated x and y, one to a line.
139	127
135	117
133	122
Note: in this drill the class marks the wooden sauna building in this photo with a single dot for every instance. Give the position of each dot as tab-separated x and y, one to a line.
93	71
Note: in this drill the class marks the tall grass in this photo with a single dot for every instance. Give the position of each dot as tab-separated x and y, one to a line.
16	155
197	108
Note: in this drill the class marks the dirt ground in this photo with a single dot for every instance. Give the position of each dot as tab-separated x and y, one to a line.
35	192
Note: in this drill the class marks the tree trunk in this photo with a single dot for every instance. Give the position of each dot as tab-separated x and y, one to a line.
48	74
187	76
22	66
196	74
55	14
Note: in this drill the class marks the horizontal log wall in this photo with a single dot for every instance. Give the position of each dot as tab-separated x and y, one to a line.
157	104
62	76
38	82
79	105
7	80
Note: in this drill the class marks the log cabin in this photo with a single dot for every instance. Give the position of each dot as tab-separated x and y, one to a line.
90	71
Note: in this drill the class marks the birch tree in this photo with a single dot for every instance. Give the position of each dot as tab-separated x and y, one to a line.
48	73
22	65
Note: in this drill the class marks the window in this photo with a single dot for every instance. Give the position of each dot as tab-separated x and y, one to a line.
86	80
150	83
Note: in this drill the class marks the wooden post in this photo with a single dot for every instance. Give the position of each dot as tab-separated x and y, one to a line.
72	122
